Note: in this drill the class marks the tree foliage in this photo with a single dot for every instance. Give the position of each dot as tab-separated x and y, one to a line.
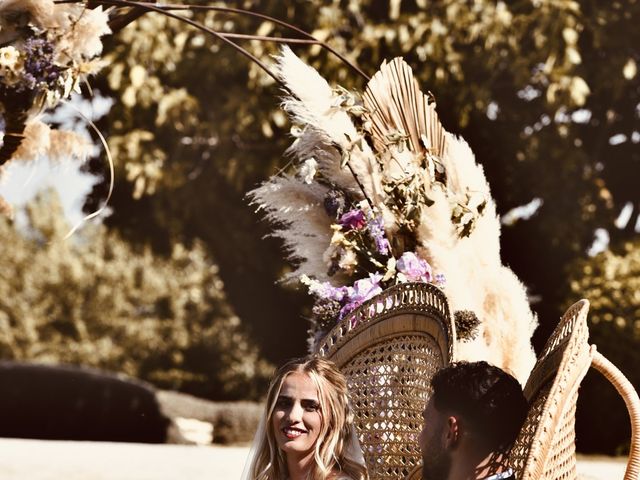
94	300
545	91
539	88
611	282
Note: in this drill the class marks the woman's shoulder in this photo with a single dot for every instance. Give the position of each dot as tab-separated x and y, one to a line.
342	475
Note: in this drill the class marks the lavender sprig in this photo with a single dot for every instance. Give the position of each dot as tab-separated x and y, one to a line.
376	230
40	70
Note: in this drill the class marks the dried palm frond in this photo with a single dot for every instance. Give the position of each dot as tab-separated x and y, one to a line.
396	104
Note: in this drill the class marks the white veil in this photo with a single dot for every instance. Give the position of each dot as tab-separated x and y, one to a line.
253	452
353	451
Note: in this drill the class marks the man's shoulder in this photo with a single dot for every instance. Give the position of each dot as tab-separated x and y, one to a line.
506	475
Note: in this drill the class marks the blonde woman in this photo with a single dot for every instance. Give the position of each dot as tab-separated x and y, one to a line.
307	429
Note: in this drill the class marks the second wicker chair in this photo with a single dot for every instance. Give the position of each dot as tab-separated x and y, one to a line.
545	448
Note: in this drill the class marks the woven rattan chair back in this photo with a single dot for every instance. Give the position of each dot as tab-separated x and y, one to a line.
545	448
389	349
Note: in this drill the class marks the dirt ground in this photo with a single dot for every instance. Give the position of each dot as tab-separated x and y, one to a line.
61	460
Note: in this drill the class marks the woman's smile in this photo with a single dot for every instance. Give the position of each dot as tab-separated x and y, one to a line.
293	432
297	416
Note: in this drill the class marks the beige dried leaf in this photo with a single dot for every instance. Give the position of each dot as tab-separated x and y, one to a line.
395	103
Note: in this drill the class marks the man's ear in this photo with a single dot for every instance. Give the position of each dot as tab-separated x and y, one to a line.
452	433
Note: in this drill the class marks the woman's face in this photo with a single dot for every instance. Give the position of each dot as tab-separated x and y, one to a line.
297	418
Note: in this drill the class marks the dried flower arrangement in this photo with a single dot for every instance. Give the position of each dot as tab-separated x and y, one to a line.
382	194
49	47
46	50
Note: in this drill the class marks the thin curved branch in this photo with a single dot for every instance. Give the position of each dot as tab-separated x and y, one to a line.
168	7
273	20
154	8
263	38
225	37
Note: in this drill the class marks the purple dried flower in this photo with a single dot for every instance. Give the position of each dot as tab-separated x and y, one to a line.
414	268
362	290
327	291
29	82
376	230
440	279
366	288
348	308
353	220
383	246
39	65
334	203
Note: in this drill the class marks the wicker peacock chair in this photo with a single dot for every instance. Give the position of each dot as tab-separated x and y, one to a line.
389	349
545	448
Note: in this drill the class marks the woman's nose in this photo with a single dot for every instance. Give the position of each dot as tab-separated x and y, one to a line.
295	413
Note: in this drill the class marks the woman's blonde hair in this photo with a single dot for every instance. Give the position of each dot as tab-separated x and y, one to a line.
331	449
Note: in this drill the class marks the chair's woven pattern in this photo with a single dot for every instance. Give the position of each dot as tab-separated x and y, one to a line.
561	464
389	385
545	448
407	297
389	349
520	450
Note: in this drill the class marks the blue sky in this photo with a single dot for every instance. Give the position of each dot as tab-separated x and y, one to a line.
21	181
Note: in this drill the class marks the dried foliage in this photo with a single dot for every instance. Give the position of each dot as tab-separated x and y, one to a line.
413	197
96	301
46	50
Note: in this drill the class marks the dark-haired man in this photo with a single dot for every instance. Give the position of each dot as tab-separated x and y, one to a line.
470	422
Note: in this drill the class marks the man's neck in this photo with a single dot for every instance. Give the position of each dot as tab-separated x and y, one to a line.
492	464
474	466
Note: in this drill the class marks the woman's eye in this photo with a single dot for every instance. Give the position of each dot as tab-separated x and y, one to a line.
283	402
311	406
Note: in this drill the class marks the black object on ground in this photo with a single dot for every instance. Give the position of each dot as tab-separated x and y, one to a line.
73	403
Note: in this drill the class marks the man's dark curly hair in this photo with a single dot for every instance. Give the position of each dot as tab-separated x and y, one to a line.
488	400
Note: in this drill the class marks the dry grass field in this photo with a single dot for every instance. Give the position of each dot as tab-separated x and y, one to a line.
61	460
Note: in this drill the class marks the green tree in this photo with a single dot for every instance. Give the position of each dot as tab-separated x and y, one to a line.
611	282
94	300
